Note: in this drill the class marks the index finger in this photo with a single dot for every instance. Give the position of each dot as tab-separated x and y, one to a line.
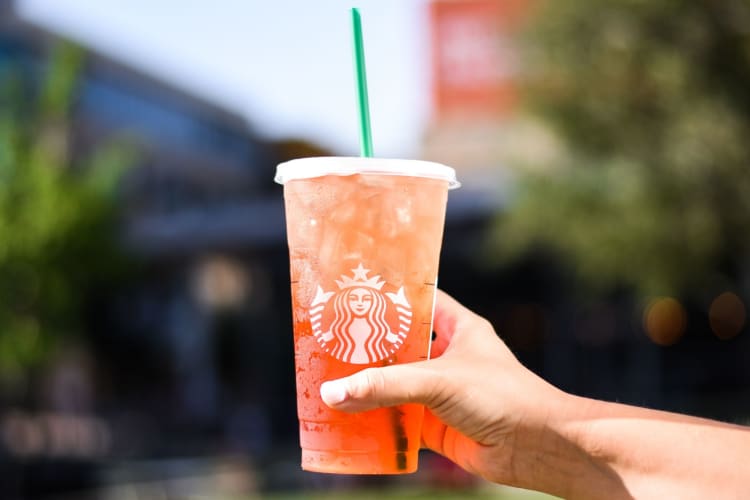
448	314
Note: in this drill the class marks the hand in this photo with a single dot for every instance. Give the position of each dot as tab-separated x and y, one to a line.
495	418
481	401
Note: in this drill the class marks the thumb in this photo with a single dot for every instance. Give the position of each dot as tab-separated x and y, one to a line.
379	387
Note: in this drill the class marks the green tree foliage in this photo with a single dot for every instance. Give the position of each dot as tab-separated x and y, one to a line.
56	218
651	98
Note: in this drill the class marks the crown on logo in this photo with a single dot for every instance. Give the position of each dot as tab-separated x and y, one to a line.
360	279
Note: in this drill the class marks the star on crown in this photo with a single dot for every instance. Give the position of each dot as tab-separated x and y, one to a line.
360	279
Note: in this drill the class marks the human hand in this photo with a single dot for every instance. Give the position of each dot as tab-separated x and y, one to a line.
496	419
481	402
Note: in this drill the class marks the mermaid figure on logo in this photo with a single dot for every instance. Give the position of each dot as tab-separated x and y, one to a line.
359	332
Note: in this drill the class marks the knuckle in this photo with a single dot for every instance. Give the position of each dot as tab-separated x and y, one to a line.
369	385
484	324
440	390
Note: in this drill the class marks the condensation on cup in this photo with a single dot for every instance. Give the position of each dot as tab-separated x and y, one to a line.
364	240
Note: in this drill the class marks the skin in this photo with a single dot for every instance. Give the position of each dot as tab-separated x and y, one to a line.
496	419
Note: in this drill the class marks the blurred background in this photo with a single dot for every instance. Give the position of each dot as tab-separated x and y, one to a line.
145	326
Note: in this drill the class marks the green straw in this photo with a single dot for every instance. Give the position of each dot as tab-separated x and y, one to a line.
365	136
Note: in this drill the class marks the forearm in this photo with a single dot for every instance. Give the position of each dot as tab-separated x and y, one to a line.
590	447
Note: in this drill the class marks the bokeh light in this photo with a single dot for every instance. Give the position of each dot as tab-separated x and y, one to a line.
664	320
221	283
727	315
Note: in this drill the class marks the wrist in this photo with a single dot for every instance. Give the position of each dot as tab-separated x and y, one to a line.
550	456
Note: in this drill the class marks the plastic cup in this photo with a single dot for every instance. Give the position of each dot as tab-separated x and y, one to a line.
364	240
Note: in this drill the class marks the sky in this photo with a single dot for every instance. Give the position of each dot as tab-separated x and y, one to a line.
285	65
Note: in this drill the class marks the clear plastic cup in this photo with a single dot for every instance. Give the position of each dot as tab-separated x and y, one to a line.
364	240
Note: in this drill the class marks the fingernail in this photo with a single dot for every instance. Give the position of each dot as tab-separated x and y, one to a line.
333	392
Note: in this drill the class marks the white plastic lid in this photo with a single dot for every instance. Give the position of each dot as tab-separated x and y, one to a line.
306	168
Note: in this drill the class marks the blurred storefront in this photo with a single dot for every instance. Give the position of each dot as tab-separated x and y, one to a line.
187	357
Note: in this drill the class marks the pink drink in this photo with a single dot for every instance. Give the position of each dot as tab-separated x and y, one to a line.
364	244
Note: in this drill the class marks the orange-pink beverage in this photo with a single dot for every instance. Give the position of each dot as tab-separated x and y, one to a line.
364	244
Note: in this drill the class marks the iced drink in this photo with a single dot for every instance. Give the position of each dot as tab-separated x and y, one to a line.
364	240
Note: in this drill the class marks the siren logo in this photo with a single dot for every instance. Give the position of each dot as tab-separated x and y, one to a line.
360	323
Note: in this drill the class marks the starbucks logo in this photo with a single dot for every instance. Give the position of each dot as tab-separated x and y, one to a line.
360	323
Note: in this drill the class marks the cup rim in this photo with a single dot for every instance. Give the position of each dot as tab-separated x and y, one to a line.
308	168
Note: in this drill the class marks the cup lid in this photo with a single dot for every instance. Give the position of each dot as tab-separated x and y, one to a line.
306	168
